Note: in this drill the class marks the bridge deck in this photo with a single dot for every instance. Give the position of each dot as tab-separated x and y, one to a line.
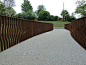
56	47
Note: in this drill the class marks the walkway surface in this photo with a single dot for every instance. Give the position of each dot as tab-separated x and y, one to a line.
56	47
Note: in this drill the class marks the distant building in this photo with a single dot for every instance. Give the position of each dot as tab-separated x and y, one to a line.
60	18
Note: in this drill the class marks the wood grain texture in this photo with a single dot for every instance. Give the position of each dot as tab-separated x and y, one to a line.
15	30
78	30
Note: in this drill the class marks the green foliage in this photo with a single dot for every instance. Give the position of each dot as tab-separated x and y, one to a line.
70	18
81	10
81	7
65	14
1	7
8	11
26	6
40	8
29	15
53	18
43	15
80	3
27	11
10	3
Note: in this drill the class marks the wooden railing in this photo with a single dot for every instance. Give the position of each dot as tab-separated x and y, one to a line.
15	30
78	30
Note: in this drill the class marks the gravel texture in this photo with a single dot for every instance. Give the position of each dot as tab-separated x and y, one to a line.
56	47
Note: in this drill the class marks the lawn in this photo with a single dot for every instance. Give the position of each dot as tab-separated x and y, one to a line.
57	23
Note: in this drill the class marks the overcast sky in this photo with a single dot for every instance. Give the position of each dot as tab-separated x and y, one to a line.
55	7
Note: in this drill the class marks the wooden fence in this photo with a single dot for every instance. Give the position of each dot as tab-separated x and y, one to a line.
15	30
78	30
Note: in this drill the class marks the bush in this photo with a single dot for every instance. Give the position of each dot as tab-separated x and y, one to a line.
71	18
43	15
53	18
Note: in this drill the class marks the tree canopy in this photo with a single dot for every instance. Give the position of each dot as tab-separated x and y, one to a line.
65	14
81	7
80	3
43	15
27	11
26	6
53	18
8	11
1	8
40	8
10	3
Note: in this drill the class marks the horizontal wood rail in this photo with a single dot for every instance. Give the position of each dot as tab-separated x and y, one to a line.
15	30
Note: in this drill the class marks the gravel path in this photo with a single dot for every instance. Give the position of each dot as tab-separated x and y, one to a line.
52	48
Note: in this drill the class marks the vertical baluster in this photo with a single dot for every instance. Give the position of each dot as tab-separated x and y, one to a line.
1	33
13	32
20	27
2	42
8	32
4	32
17	31
6	27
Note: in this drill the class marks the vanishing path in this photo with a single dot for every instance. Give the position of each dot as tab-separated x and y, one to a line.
56	47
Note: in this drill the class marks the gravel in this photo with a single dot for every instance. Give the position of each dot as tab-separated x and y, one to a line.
56	47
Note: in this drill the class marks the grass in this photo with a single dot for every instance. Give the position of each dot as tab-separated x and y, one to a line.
57	23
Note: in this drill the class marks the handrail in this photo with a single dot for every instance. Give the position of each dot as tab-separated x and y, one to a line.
77	29
15	30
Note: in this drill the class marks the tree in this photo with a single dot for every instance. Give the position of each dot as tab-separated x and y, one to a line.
29	15
81	7
70	18
80	3
27	10
1	7
26	6
19	15
43	15
53	18
9	3
65	14
40	8
8	11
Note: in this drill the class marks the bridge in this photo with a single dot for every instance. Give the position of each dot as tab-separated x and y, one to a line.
56	47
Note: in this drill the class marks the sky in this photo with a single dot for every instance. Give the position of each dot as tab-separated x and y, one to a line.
55	7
